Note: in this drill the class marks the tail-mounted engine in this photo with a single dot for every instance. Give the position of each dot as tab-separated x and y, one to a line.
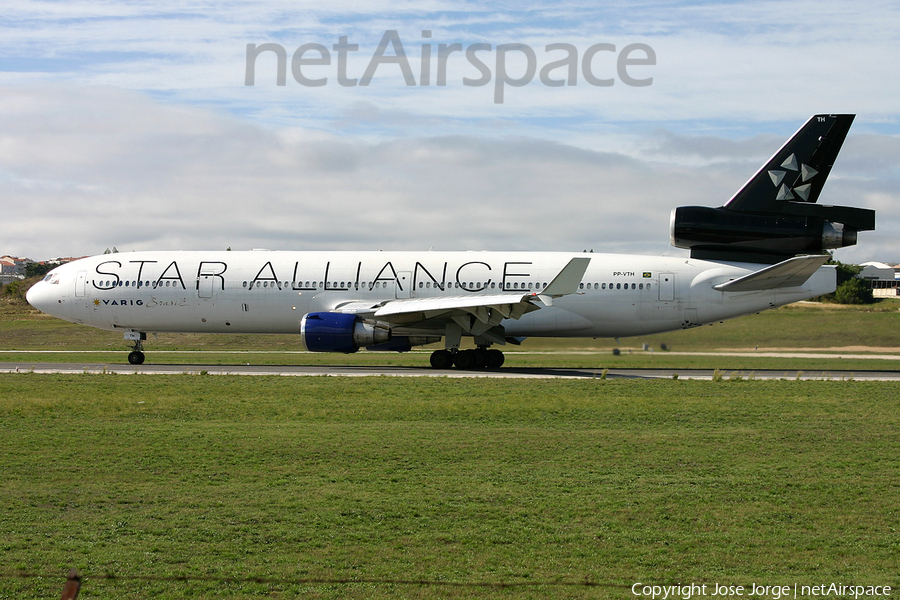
718	233
775	215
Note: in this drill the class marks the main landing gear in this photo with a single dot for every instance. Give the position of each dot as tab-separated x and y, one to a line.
468	360
136	356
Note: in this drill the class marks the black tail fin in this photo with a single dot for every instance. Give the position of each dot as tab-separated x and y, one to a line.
797	172
774	215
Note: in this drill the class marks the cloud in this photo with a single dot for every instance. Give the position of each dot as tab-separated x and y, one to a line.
735	64
125	123
86	168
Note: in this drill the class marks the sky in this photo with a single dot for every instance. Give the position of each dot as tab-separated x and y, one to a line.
138	126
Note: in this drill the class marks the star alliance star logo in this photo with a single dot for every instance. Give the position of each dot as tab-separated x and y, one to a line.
785	192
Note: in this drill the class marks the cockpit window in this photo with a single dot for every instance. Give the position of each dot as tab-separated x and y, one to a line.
51	278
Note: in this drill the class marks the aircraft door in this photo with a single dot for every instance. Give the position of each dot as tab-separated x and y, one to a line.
403	287
205	286
666	287
80	281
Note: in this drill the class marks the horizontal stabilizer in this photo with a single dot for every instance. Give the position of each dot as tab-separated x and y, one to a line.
789	273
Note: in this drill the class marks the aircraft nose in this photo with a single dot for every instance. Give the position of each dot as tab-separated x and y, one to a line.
40	297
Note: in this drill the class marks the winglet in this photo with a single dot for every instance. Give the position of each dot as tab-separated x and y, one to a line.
566	281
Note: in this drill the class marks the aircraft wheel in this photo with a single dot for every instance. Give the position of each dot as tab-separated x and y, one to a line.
495	359
441	359
136	358
466	360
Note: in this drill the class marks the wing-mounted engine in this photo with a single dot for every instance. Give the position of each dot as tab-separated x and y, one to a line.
774	216
340	332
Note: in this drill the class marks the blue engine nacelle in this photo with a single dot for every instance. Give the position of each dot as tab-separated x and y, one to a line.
339	332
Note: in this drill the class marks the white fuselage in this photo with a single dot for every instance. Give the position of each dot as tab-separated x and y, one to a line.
270	291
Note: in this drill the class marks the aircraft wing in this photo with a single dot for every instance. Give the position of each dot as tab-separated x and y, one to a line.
475	314
789	273
508	305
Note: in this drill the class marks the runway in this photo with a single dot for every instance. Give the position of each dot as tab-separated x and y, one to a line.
393	371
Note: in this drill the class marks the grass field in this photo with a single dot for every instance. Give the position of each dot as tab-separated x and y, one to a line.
455	481
191	486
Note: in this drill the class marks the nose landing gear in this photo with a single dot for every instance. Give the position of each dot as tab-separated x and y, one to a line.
136	356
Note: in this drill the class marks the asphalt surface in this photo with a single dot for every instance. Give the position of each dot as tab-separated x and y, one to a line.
369	371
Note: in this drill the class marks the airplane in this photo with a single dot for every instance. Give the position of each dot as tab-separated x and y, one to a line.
764	248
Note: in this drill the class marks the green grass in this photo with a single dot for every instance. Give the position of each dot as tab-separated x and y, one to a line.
443	480
555	360
799	326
